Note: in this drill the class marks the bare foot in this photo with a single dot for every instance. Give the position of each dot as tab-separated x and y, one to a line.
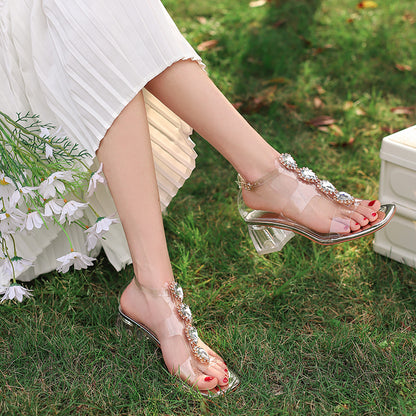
284	193
156	309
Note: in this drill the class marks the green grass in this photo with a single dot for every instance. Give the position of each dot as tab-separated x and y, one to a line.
311	330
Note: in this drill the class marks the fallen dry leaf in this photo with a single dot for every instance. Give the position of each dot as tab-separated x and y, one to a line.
208	44
279	23
317	102
367	5
307	42
263	99
336	130
258	3
407	17
321	121
291	107
402	110
360	112
320	90
349	142
348	105
202	20
389	129
324	129
238	104
317	51
277	80
292	110
401	67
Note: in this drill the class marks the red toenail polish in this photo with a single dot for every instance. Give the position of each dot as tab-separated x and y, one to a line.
365	219
208	378
374	214
371	203
225	380
226	370
357	223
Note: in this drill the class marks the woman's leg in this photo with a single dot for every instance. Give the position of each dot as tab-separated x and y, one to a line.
127	159
187	90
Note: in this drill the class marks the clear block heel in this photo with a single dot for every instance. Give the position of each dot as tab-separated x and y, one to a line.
268	239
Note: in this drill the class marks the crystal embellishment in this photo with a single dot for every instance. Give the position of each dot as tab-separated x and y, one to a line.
177	292
192	334
345	197
185	312
202	354
308	175
288	162
327	187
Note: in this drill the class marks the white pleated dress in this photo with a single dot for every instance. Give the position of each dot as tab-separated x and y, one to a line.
77	64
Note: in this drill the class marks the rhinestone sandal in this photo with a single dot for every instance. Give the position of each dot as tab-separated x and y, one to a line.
270	231
172	297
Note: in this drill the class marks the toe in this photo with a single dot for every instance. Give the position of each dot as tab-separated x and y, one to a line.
374	204
355	226
359	218
206	382
219	373
369	212
217	359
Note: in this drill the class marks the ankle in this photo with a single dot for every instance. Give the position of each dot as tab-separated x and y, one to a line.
153	277
152	285
259	166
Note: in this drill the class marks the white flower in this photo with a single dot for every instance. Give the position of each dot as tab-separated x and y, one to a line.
52	207
97	177
5	277
54	183
92	239
11	220
103	224
48	151
72	211
65	175
25	190
7	186
5	180
33	219
44	132
78	260
15	291
96	232
19	265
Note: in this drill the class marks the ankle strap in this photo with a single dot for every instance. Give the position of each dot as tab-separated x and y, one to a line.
243	184
163	290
